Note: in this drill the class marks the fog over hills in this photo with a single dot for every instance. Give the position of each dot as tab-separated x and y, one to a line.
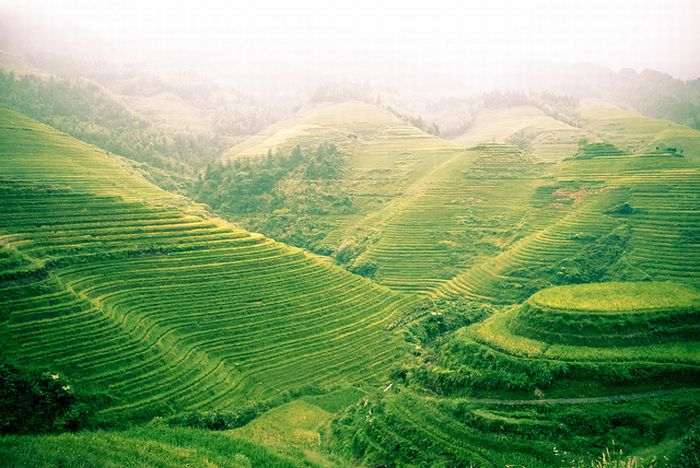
377	233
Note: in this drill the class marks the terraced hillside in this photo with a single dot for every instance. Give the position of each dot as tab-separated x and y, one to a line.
378	142
383	157
527	126
572	364
655	324
636	133
134	293
409	428
468	209
613	216
491	223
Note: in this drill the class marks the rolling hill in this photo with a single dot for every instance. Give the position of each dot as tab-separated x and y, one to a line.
382	157
139	295
635	132
483	222
527	126
613	216
521	296
571	364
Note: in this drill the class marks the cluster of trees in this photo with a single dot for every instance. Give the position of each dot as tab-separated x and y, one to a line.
343	91
284	195
417	121
557	106
34	402
658	95
254	185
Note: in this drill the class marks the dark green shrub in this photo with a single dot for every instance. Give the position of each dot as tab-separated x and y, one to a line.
34	402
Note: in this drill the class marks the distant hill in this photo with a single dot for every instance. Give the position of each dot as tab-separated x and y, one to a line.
527	127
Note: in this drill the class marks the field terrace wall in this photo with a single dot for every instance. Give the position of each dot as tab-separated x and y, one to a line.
131	291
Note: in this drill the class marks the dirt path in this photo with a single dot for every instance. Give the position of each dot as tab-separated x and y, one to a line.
580	401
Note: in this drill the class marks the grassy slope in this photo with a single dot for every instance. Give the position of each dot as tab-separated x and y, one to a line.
484	222
569	207
466	210
634	132
617	297
581	201
543	400
298	430
148	446
386	156
564	211
131	291
543	136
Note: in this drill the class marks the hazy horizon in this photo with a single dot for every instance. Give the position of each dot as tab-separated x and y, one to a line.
479	46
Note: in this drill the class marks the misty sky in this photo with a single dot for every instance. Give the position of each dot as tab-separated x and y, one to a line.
373	37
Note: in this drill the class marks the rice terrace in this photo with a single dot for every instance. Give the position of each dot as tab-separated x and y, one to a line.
330	234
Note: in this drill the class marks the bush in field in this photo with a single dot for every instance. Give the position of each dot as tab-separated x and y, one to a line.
33	402
217	421
367	269
440	317
689	453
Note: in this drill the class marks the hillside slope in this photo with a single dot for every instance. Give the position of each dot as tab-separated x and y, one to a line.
380	156
134	293
527	126
495	224
574	368
148	446
468	209
635	132
622	216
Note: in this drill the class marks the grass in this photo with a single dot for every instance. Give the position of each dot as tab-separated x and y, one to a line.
144	298
296	431
152	446
526	349
579	208
637	133
540	135
293	424
496	331
385	157
495	223
456	215
148	302
618	297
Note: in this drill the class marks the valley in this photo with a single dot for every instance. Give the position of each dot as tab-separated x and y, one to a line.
337	284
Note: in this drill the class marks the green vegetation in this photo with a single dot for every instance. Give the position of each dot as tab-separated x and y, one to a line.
533	346
445	223
593	150
618	297
530	126
532	300
87	112
515	390
328	206
33	402
283	195
405	428
151	445
576	228
159	307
